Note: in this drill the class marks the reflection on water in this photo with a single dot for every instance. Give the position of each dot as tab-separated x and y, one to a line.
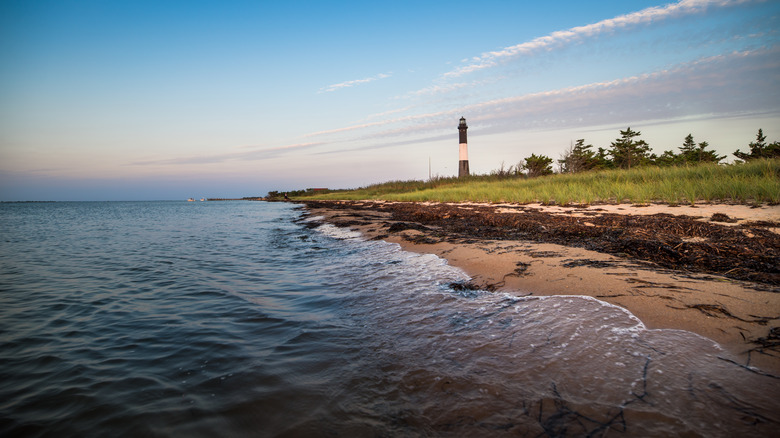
214	319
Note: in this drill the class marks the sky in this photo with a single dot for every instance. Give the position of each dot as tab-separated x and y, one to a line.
148	100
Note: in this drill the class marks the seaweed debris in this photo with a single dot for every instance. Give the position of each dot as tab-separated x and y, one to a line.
681	243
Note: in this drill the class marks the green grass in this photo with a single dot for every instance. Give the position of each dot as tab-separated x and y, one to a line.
753	182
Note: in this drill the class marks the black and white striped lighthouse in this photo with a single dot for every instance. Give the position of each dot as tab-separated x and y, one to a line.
463	164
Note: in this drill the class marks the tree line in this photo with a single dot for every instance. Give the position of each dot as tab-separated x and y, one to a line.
275	195
629	151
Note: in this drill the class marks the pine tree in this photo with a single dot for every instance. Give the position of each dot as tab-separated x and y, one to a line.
668	158
627	152
704	156
578	158
538	165
602	160
759	149
690	152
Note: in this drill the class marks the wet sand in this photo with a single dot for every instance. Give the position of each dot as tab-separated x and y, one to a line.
708	269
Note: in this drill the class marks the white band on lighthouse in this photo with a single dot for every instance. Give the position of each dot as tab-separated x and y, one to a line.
464	152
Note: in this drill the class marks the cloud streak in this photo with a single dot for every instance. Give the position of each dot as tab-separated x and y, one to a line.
252	155
352	83
565	37
701	88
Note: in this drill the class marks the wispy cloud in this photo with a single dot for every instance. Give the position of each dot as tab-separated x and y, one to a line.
352	83
701	88
349	128
709	87
251	155
565	37
364	123
439	88
387	113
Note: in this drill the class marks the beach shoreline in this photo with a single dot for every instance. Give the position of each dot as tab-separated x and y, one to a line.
551	250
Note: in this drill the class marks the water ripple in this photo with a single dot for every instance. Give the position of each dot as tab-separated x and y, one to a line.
215	319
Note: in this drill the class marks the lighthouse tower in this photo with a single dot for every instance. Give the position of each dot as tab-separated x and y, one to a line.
463	165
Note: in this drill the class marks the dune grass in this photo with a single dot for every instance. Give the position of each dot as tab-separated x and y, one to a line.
754	182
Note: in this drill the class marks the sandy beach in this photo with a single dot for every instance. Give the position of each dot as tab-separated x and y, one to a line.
708	269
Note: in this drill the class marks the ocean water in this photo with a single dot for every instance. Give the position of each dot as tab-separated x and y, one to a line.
241	319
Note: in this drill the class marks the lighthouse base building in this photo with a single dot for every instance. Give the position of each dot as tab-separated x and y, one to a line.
463	164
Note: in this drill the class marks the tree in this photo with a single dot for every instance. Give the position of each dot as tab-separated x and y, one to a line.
538	165
688	149
704	156
759	149
578	158
668	158
627	152
690	152
602	160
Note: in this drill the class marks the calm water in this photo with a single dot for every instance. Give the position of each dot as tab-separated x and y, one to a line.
236	319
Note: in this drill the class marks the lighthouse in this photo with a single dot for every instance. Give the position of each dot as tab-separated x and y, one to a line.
463	164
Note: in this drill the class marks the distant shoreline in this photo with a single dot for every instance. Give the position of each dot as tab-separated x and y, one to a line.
30	202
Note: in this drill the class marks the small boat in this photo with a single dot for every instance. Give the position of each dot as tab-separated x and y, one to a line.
190	200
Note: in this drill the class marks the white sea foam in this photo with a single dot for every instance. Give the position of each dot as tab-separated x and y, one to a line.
338	233
389	260
585	349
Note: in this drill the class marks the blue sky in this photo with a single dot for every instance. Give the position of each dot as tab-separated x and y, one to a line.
168	100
